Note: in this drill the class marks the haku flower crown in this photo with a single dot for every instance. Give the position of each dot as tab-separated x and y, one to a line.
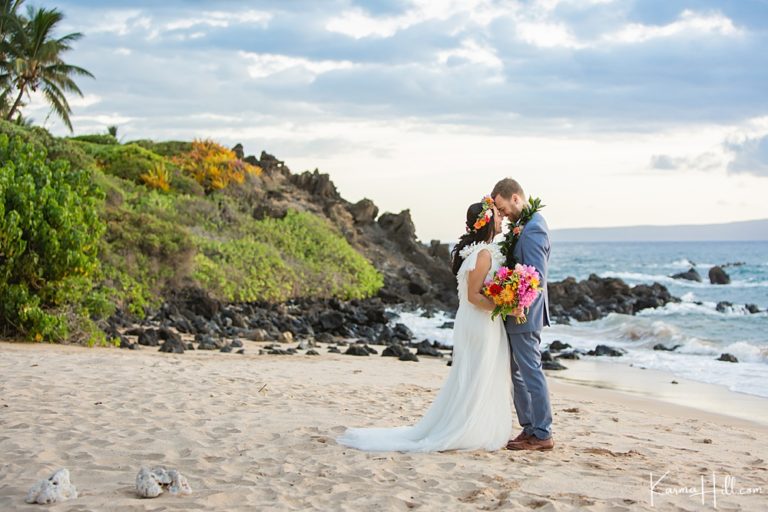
485	214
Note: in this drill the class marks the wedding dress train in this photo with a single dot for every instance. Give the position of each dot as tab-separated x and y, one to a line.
472	410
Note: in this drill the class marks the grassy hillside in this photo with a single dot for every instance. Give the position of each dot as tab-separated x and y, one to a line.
181	213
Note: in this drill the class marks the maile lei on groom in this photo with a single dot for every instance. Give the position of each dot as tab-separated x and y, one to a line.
510	240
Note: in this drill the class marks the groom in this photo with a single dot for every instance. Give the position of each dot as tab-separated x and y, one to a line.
531	395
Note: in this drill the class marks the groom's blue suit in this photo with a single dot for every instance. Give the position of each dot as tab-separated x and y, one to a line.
531	394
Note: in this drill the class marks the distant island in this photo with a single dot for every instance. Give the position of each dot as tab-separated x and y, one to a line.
750	230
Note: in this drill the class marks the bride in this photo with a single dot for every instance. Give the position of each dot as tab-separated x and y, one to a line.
472	410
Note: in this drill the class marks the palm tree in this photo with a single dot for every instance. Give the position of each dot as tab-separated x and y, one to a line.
9	23
35	62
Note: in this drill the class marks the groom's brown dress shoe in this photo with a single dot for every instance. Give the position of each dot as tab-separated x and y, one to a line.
534	444
522	436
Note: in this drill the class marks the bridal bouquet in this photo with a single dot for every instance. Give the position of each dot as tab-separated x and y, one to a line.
513	288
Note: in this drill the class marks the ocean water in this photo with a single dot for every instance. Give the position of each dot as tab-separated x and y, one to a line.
702	332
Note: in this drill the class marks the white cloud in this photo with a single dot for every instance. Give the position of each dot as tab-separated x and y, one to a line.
689	22
263	65
221	19
86	101
118	22
358	24
472	51
548	35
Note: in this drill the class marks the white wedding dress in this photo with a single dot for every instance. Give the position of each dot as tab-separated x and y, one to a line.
472	410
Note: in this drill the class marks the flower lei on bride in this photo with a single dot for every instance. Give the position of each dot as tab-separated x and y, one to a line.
510	240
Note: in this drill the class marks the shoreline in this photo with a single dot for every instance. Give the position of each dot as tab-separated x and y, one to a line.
639	385
257	431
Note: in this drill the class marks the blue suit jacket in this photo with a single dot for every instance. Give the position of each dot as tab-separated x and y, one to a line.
533	249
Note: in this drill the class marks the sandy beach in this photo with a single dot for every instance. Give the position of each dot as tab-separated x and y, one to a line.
256	432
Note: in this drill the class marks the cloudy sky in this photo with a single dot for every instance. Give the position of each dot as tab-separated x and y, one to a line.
613	112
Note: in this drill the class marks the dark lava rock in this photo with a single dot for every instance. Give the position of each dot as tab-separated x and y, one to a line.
605	350
371	350
552	365
409	357
660	346
558	346
394	350
718	276
690	275
596	297
206	342
357	350
447	325
331	321
723	306
425	348
728	358
752	308
335	350
241	351
149	338
568	355
236	343
547	356
190	346
226	349
324	337
312	352
402	332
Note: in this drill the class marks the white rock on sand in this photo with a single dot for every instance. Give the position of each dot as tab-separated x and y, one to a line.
53	489
150	483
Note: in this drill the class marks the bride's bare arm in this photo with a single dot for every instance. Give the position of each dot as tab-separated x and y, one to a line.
476	279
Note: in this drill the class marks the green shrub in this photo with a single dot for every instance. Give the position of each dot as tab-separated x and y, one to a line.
97	138
49	234
128	162
55	148
167	149
300	255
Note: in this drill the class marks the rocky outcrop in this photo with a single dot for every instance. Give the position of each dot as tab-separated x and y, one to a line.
413	272
596	297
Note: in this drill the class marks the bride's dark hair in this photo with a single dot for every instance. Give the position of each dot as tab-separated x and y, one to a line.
484	234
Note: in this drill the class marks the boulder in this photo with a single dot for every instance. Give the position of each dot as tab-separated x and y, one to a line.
394	350
752	308
730	358
605	350
357	350
718	276
724	306
425	348
402	332
364	211
409	356
690	275
558	346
